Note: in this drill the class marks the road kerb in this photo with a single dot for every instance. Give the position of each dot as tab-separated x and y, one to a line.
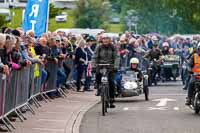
75	122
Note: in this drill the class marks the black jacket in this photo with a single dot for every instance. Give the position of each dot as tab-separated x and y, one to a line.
80	55
139	76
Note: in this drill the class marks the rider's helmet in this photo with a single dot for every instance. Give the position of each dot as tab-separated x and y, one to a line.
134	61
105	36
165	44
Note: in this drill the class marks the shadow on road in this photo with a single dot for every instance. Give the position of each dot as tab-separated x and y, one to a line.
129	100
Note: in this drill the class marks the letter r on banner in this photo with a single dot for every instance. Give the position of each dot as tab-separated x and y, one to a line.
35	10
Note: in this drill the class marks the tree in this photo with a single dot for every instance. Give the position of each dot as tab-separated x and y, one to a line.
154	16
2	20
91	13
189	12
53	11
164	16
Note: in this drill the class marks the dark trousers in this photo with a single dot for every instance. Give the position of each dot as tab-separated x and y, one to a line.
110	82
67	70
191	86
80	72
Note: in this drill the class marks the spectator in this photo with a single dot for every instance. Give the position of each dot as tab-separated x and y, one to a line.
88	73
41	47
81	61
3	67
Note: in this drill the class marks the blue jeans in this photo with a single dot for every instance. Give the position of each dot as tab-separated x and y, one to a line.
61	77
44	76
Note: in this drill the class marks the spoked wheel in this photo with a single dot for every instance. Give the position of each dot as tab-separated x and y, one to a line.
146	93
196	103
107	100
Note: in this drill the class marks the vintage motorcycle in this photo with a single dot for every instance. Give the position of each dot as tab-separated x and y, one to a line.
128	84
152	72
170	67
195	103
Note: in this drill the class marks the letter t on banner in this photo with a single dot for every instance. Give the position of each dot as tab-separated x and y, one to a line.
36	16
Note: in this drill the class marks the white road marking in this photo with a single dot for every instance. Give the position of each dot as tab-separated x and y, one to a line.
157	108
170	94
149	108
176	108
163	101
125	109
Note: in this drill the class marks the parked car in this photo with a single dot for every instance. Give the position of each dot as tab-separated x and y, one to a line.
61	18
6	13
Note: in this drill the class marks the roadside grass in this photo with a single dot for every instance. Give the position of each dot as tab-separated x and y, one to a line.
116	28
53	25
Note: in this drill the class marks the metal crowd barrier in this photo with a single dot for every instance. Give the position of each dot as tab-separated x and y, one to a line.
35	84
51	68
14	95
52	71
71	78
23	86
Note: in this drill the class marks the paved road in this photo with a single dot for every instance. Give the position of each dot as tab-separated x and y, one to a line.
135	115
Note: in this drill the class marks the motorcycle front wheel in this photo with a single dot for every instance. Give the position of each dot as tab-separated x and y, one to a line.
196	103
146	93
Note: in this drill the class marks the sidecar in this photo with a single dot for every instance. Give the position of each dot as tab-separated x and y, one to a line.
128	84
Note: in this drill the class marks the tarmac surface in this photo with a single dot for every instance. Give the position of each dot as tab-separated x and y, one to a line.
165	112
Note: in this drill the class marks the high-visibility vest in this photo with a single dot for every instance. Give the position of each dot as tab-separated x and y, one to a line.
36	68
196	68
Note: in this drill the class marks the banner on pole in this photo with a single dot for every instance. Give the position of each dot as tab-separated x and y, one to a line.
36	16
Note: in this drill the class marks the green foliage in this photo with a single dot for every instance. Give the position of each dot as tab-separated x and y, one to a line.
164	16
16	19
91	14
116	28
53	25
2	20
54	11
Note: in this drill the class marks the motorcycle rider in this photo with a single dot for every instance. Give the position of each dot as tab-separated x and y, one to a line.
106	53
133	67
134	62
155	55
194	66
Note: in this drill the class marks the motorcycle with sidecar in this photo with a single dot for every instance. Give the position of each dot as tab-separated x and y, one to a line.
128	84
